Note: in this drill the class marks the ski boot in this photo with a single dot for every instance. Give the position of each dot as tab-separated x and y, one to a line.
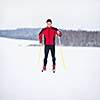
44	68
53	69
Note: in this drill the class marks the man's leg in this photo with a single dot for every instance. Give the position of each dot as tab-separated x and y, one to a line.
46	51
53	55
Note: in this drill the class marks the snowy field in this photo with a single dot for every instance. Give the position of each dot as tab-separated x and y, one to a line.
21	77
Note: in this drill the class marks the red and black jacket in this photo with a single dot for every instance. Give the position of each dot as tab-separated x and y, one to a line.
49	35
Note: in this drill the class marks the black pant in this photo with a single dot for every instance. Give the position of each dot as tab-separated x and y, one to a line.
46	51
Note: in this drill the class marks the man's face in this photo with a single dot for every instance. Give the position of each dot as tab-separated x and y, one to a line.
49	24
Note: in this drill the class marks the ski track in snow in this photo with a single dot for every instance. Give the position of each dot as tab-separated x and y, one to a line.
21	77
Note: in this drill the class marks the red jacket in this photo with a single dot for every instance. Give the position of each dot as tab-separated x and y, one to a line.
49	35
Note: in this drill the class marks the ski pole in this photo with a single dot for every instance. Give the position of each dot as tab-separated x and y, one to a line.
61	52
39	56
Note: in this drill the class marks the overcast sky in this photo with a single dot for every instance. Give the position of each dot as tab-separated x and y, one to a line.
66	14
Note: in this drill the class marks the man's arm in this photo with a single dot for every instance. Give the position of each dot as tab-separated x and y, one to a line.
57	32
40	36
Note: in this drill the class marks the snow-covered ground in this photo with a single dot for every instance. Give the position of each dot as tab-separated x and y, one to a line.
21	77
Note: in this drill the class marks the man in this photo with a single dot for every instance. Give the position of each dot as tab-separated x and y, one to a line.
49	40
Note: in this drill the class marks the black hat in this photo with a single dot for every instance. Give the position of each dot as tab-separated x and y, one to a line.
49	20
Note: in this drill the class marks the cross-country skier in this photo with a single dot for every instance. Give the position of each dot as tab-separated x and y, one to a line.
49	33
